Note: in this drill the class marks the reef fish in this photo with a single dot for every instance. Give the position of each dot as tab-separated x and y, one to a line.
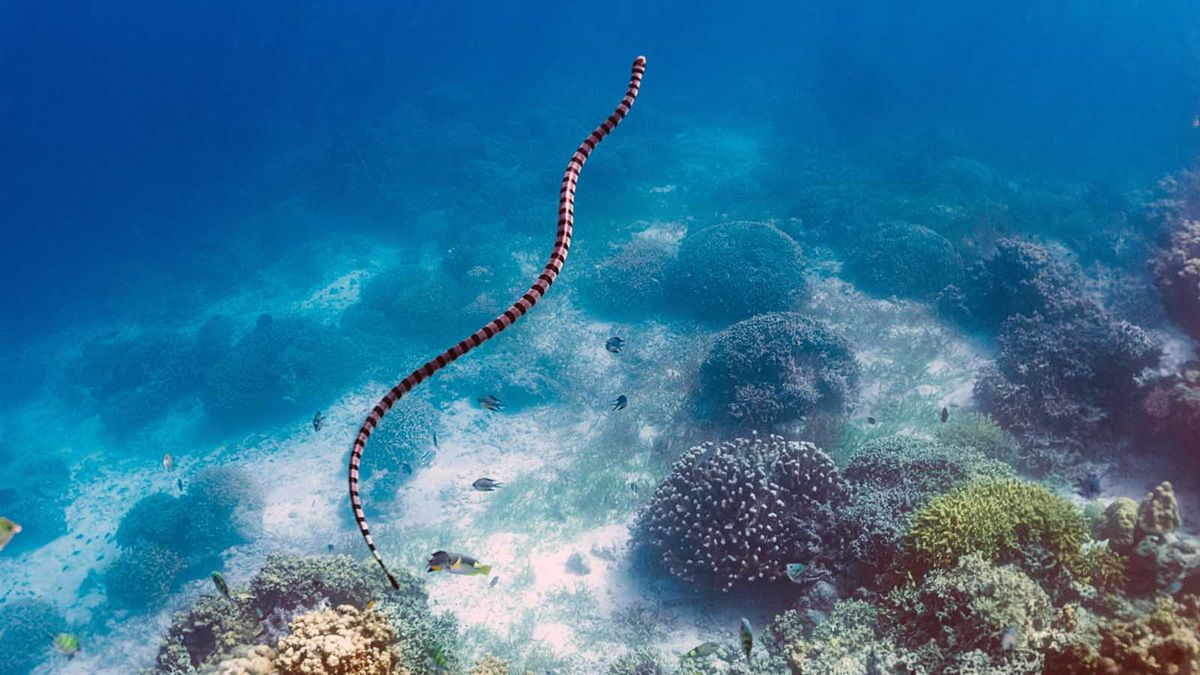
222	587
621	403
66	643
168	462
456	563
702	650
7	529
486	484
614	344
493	582
1009	640
747	635
1092	484
871	420
318	421
795	572
491	403
945	414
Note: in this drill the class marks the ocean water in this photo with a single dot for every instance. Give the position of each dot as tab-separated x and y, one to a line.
906	293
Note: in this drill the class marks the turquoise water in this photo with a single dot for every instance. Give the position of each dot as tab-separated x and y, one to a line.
931	247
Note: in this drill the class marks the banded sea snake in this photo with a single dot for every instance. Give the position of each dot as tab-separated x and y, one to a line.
566	219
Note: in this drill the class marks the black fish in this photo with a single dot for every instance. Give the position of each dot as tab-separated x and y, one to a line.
945	414
318	421
491	403
435	441
870	420
219	582
614	344
486	484
179	484
406	467
621	403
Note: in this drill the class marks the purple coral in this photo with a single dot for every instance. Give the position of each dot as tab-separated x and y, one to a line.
739	512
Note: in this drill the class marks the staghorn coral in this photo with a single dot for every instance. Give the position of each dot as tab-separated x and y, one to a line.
966	610
739	512
906	260
1159	512
341	641
734	271
774	369
1005	521
26	630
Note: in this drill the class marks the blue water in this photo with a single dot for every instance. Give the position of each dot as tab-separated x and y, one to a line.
220	219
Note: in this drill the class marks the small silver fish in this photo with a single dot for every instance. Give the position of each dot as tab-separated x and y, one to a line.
491	403
621	403
486	484
614	344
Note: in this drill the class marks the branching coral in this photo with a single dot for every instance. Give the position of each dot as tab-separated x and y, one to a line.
143	576
773	369
890	478
1004	521
288	582
970	608
1071	375
342	641
490	665
906	260
213	626
736	270
739	512
26	630
981	434
850	640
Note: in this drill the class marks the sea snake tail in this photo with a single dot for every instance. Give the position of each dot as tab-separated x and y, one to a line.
562	243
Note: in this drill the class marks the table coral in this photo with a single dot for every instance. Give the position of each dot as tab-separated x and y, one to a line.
341	641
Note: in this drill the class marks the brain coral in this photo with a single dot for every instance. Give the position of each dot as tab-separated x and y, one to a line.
739	512
342	641
905	260
1004	521
729	272
773	369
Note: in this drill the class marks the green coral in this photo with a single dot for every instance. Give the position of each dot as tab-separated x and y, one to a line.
1003	521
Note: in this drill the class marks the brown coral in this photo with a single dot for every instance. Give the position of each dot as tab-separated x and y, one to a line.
490	665
1118	525
244	660
342	641
1158	512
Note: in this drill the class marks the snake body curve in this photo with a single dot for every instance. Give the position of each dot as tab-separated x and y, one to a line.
562	243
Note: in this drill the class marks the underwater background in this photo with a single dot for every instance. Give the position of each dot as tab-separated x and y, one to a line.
907	298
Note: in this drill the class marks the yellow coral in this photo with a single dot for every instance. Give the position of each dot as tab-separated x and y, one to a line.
1158	512
342	641
1001	520
245	660
490	665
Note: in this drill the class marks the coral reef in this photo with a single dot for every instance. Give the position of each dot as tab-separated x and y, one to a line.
1005	521
969	608
1118	525
401	443
1019	277
733	271
27	628
1157	637
1073	375
981	434
244	660
889	479
1176	266
164	538
1159	511
773	369
212	627
143	577
490	665
906	260
282	367
341	641
630	281
739	512
850	640
36	488
290	582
